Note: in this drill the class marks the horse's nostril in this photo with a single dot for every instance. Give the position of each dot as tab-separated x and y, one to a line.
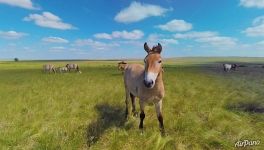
146	83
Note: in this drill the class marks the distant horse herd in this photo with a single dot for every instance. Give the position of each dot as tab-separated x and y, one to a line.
50	68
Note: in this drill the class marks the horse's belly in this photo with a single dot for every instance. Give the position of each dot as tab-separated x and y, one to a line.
151	99
134	91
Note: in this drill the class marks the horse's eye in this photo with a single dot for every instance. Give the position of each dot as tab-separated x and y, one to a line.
159	61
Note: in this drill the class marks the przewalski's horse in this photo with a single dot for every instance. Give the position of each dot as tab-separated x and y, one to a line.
73	67
228	67
62	69
49	68
121	66
146	83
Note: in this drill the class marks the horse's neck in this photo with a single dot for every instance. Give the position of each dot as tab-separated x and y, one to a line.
159	79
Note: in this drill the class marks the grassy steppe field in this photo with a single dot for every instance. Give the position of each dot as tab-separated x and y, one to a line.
204	107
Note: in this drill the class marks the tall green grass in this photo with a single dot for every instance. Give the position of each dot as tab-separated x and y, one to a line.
204	108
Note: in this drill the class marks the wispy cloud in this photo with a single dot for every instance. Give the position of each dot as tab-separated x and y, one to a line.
95	44
49	20
160	38
257	28
27	4
133	35
252	3
222	41
195	34
169	41
260	43
57	49
52	39
176	25
103	36
208	37
139	11
11	35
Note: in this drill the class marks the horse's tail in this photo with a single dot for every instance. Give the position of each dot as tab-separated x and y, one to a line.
78	69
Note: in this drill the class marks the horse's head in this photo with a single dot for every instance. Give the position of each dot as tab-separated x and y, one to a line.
234	66
153	65
67	66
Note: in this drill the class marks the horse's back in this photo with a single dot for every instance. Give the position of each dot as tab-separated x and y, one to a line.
75	65
48	66
72	66
134	70
227	66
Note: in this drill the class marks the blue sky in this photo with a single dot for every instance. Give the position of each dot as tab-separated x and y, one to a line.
117	29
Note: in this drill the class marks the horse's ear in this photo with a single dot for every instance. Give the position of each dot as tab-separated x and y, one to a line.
158	48
147	49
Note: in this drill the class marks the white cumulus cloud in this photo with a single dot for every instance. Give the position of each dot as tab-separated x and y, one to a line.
103	36
176	25
257	28
252	3
11	34
52	39
49	20
139	11
132	35
27	4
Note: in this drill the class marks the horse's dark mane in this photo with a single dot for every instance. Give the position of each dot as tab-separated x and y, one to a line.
156	49
155	46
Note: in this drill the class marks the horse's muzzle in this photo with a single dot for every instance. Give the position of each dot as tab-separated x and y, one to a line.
149	84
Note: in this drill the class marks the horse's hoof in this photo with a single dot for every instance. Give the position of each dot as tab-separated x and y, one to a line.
126	118
162	132
141	132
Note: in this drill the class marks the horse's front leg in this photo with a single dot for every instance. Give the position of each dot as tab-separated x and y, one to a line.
158	107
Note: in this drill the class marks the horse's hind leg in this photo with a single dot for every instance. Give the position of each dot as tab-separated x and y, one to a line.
127	103
133	99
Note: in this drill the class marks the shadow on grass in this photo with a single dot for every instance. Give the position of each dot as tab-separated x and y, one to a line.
251	107
109	116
